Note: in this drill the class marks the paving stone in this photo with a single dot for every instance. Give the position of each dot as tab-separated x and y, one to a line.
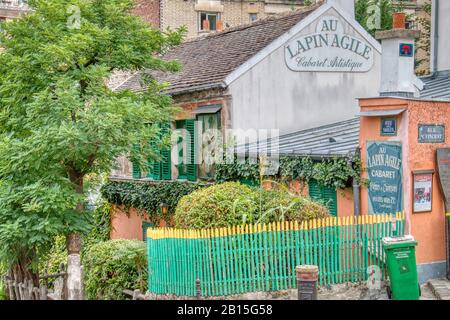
440	288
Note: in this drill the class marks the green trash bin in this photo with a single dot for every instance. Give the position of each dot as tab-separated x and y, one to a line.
401	267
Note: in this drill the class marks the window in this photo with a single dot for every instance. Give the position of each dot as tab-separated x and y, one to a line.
210	129
253	17
186	149
325	195
208	21
159	169
180	126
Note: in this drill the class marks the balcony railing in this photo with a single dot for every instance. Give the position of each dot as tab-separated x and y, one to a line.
21	5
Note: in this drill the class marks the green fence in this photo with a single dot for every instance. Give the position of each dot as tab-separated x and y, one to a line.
256	258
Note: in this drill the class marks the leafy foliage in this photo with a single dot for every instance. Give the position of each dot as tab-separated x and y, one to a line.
221	205
100	228
148	196
231	204
236	171
424	43
374	15
113	266
3	271
279	205
334	172
60	122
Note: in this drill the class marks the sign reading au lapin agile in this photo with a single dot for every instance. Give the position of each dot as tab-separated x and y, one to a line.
384	164
329	49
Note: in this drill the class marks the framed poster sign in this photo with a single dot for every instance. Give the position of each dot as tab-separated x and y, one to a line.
431	133
423	191
384	167
388	126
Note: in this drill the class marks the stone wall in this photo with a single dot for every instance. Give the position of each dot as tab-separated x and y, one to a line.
149	10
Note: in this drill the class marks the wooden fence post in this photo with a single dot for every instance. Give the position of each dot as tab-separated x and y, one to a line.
198	289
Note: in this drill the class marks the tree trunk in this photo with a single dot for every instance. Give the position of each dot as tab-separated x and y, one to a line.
21	270
74	277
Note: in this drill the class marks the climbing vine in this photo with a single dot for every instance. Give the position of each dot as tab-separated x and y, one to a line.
147	197
330	172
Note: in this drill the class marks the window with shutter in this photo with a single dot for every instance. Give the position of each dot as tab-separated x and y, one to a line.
181	148
166	168
154	166
209	127
325	195
136	169
160	169
191	149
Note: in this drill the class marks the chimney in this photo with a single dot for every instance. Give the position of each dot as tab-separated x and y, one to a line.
347	5
440	46
397	63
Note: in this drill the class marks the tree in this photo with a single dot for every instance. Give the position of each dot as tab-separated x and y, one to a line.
375	15
423	47
59	122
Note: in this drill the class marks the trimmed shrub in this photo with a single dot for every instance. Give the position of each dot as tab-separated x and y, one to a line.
280	205
112	266
231	203
221	205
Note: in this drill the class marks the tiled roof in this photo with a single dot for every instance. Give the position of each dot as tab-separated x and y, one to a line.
208	60
437	87
337	139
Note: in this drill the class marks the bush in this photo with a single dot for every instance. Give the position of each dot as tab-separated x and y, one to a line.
3	271
112	266
280	205
231	204
221	205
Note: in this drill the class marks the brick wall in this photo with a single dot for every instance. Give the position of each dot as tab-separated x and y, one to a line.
149	10
175	13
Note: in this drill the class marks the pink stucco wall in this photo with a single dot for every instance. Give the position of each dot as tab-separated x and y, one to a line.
428	228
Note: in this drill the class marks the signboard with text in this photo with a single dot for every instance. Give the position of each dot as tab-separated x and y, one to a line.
329	49
431	133
384	167
423	192
389	126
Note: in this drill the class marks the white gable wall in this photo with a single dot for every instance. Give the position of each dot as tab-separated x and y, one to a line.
271	96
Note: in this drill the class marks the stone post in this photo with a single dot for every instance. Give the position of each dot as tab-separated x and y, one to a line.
74	274
307	277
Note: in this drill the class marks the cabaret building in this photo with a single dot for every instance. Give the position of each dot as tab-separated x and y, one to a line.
324	88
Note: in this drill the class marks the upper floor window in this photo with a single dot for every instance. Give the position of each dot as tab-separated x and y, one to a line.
253	17
208	21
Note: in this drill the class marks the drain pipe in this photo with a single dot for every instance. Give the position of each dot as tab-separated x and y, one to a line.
356	188
435	21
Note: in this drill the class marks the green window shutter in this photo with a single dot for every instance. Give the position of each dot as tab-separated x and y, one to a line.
166	168
191	166
154	166
326	195
136	169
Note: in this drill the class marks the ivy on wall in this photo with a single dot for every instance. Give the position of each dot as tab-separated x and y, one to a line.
148	197
329	172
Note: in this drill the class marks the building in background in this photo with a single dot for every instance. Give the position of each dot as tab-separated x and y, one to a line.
204	16
149	10
10	9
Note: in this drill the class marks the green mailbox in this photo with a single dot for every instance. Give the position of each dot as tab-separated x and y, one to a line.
402	268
